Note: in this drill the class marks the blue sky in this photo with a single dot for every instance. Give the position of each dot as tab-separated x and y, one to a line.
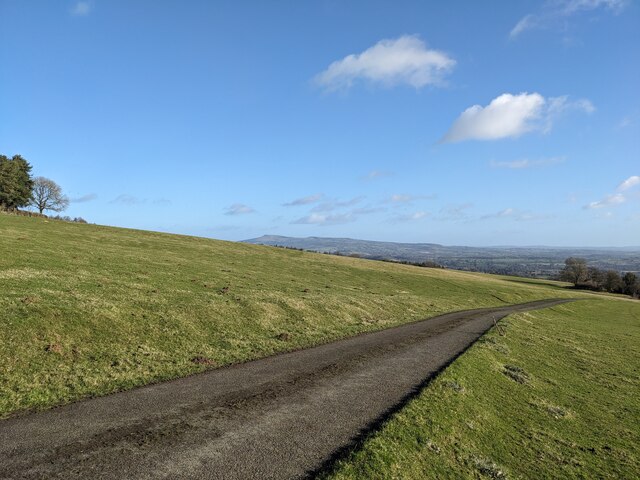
467	123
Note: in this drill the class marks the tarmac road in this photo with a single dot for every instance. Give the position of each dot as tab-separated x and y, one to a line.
285	416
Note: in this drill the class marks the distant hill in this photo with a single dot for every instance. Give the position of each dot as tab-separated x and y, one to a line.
536	261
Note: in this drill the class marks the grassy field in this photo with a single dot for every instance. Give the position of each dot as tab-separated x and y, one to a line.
556	397
88	310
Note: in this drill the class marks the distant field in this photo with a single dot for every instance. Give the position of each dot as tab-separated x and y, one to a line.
557	397
88	310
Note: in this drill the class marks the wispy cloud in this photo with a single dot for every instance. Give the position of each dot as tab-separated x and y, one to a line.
367	210
325	217
507	212
401	198
84	198
556	106
607	201
527	163
404	60
332	205
627	121
617	198
81	9
511	115
323	220
375	174
410	217
304	200
408	198
515	214
239	209
629	183
126	199
554	13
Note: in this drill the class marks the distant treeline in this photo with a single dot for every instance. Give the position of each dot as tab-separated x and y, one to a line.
585	277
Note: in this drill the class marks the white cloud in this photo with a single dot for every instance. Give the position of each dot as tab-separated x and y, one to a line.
558	105
81	9
84	198
411	217
401	198
506	116
239	209
511	115
323	216
608	201
127	199
336	204
407	198
405	60
124	199
573	6
321	219
304	200
368	210
627	121
555	12
419	215
515	214
614	199
527	163
629	183
507	212
527	22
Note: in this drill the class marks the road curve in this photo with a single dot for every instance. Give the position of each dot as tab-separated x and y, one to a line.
284	416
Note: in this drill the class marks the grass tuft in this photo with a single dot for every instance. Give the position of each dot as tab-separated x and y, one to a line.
488	469
516	374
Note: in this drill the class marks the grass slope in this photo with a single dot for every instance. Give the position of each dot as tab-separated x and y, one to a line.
556	397
88	310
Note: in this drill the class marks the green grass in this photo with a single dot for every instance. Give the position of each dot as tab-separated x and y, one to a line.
87	310
556	397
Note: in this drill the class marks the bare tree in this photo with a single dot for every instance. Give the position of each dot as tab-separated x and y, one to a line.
47	195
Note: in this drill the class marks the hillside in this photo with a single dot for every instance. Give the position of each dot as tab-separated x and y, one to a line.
86	310
543	262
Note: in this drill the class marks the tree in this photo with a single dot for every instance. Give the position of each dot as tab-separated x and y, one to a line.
595	278
575	270
631	284
47	195
15	182
612	282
